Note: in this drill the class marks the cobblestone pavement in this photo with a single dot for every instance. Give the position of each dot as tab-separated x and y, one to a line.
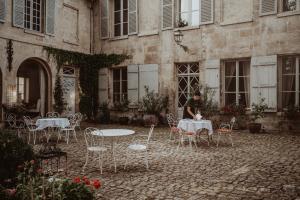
259	166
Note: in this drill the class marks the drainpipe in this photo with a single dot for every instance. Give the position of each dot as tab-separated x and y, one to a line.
91	26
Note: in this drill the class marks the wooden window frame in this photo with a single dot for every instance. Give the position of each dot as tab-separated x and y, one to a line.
121	83
121	19
41	16
190	11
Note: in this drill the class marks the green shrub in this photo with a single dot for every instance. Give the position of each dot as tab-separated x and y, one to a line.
13	152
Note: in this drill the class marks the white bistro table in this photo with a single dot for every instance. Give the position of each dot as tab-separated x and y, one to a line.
191	125
52	122
112	134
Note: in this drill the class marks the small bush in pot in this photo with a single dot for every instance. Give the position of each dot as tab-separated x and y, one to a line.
258	110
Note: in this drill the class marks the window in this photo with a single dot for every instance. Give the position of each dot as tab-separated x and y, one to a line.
289	5
119	84
290	81
121	17
20	89
33	15
237	83
188	77
189	11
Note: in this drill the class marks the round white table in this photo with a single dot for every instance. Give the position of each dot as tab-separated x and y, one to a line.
191	125
52	122
113	133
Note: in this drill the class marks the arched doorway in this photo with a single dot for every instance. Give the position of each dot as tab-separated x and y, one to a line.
34	85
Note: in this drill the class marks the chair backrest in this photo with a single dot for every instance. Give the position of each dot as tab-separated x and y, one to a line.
11	120
91	139
232	122
28	122
150	134
78	117
171	120
52	115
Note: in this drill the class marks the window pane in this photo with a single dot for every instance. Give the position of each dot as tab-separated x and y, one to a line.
125	4
288	98
124	74
116	75
195	18
289	65
118	30
116	87
117	5
230	98
125	16
184	5
185	17
124	87
244	84
195	5
244	68
116	97
194	68
118	17
230	69
288	83
288	5
230	85
125	28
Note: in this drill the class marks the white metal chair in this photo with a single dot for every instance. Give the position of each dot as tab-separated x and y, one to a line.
15	124
94	144
172	124
67	130
190	136
78	117
226	129
52	115
32	129
140	146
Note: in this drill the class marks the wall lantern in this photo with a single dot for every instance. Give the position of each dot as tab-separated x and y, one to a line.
178	36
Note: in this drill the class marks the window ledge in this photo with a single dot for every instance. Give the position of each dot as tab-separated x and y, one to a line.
119	38
34	33
288	13
232	23
72	43
187	28
148	33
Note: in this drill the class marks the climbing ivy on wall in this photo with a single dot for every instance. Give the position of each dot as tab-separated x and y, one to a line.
89	66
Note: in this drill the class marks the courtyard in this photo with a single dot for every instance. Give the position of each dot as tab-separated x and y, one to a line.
259	166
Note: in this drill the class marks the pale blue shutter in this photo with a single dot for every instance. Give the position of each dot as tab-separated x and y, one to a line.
263	80
133	83
2	10
103	85
132	17
206	11
104	18
148	76
267	7
50	17
212	77
18	13
167	14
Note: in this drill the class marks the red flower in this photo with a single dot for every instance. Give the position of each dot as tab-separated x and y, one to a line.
87	182
76	180
96	184
84	178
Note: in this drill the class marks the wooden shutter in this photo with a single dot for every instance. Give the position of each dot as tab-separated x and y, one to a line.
50	17
132	16
267	7
212	77
206	11
104	18
2	10
167	14
103	85
148	76
133	83
263	80
18	13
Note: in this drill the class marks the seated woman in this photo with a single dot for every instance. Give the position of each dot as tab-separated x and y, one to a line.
193	106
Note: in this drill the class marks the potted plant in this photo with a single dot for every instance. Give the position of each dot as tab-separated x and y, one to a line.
152	105
257	113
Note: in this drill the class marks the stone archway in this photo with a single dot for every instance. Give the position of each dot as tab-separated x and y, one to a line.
34	85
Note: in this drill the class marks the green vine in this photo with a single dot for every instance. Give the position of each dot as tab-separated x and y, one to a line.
89	66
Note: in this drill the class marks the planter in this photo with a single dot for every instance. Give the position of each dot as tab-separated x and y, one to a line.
150	119
123	120
254	127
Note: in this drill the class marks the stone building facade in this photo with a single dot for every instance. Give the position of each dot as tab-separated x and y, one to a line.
30	25
243	50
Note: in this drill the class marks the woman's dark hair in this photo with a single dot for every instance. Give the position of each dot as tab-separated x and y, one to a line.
197	93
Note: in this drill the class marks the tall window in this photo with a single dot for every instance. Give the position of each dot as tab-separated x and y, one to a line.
237	83
121	17
290	81
289	5
33	15
189	11
119	84
20	89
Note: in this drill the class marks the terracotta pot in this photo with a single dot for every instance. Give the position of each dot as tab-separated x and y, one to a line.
150	119
254	127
